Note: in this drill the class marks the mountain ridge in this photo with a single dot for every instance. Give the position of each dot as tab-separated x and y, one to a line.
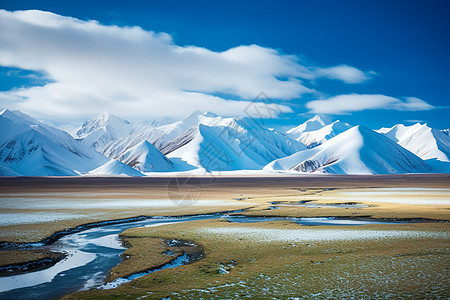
32	148
422	140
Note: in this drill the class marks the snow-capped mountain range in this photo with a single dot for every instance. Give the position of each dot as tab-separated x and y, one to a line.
205	142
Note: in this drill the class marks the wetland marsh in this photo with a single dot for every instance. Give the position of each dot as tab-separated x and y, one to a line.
392	237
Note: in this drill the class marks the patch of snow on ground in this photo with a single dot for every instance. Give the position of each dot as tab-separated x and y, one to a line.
67	203
7	219
301	235
417	196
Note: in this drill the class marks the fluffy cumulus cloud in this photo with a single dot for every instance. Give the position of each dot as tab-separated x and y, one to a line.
129	71
343	104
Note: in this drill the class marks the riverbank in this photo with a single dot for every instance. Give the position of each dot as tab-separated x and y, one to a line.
15	262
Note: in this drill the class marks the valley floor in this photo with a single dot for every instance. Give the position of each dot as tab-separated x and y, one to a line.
276	258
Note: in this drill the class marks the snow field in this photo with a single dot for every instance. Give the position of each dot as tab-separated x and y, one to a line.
315	235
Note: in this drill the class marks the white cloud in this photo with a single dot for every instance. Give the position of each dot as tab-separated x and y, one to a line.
412	103
415	121
345	73
343	104
137	73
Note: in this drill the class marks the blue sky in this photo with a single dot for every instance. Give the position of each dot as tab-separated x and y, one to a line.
401	46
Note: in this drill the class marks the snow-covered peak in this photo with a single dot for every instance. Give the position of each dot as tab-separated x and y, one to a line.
312	124
420	139
146	158
32	148
7	113
322	119
190	121
400	131
197	117
103	129
104	116
198	113
17	116
383	130
145	147
358	150
316	137
104	121
14	122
